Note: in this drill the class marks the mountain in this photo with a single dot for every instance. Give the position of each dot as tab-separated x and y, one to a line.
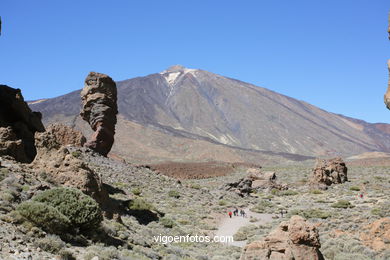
193	114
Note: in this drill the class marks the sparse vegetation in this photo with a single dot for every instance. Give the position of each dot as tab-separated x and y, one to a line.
76	154
344	204
174	194
354	188
136	191
140	204
167	222
311	213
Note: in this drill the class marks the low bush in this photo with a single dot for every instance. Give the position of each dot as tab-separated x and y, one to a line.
222	202
311	213
140	204
174	194
76	154
51	243
342	204
136	191
354	188
167	222
44	216
82	211
288	193
262	206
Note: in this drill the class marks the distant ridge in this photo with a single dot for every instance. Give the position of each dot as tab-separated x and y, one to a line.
192	114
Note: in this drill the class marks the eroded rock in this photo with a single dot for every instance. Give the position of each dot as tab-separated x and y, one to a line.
377	234
18	125
66	135
255	180
99	109
62	167
328	172
293	239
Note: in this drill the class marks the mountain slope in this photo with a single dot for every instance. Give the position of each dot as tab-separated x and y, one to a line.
199	105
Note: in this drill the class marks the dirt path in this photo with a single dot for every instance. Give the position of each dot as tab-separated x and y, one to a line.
230	226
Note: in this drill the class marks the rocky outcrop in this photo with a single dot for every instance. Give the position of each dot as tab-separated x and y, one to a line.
387	95
328	172
59	165
66	135
255	180
18	125
377	234
293	239
99	109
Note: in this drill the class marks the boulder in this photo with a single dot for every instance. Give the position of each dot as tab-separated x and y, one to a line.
293	239
255	180
99	109
62	167
18	125
377	234
328	172
66	135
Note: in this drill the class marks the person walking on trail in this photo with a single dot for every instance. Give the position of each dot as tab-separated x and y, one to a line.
235	212
230	214
242	213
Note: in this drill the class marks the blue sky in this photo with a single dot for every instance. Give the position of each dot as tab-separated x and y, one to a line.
331	53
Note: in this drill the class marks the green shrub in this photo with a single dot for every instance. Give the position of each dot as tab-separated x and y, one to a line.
311	213
316	192
195	186
222	202
76	154
3	173
136	191
288	193
174	194
65	254
342	204
51	243
82	211
167	222
382	210
140	204
262	206
44	216
354	188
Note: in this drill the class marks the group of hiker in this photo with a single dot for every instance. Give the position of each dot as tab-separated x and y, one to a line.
236	211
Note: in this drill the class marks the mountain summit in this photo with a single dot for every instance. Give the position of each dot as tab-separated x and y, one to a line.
183	113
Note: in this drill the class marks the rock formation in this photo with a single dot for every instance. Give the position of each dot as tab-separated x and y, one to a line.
387	95
377	234
99	109
293	239
328	172
18	125
62	167
66	135
255	180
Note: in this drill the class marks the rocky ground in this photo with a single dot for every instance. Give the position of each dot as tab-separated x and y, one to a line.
197	207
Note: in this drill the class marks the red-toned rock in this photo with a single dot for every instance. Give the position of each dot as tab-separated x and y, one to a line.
62	167
377	234
66	135
99	109
328	172
293	239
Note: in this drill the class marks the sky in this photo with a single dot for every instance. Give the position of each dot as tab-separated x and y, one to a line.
331	53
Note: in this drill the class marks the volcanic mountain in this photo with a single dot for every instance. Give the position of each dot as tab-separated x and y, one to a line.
195	115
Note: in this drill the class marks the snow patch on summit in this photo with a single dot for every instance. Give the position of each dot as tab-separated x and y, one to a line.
171	77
